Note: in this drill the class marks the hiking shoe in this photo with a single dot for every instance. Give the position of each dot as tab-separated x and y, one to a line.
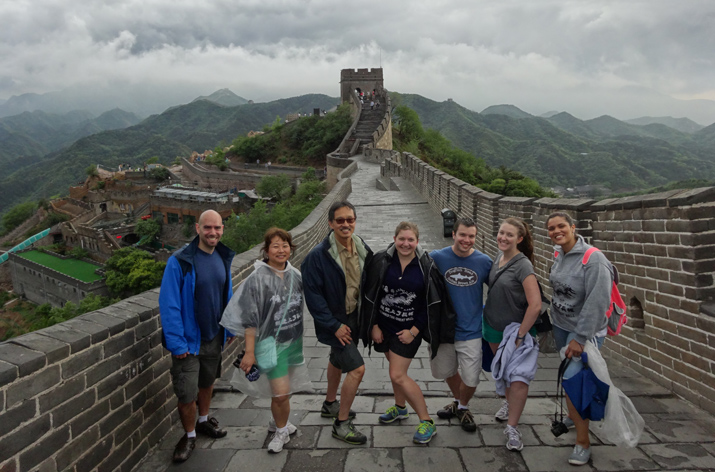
332	410
580	455
279	439
184	448
272	427
503	413
513	442
425	432
449	411
568	422
393	413
346	432
467	420
210	428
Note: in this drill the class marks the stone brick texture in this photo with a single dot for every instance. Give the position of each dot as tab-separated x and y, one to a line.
96	393
663	246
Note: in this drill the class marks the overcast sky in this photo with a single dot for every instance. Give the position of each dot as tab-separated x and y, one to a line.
588	57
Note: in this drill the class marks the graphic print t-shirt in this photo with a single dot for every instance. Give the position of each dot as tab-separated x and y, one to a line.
402	298
465	277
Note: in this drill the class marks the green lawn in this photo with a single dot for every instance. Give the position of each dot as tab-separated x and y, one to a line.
74	268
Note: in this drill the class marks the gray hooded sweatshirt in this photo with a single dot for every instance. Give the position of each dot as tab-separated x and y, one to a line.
582	293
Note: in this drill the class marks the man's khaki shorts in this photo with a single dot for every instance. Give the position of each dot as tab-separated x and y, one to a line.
464	357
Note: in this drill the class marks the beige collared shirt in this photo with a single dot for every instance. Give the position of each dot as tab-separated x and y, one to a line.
351	265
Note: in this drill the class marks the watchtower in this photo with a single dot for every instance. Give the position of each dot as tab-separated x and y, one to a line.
364	80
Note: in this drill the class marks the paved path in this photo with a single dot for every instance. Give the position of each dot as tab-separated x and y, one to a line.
678	436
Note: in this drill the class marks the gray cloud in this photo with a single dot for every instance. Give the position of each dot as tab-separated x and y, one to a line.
583	57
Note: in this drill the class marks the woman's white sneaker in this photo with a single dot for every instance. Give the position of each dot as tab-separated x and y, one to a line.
503	413
279	439
272	427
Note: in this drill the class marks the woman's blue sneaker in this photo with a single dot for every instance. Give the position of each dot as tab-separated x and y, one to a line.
393	413
425	432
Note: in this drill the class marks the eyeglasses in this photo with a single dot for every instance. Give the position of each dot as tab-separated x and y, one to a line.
341	221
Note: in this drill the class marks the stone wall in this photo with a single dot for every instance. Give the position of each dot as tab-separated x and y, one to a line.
663	246
94	393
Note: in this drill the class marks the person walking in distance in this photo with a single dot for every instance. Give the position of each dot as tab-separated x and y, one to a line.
332	280
194	292
466	270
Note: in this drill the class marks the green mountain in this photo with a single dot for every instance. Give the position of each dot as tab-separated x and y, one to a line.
567	152
26	138
224	97
684	125
178	131
508	110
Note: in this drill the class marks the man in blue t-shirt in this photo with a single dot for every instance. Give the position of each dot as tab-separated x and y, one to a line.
195	290
466	271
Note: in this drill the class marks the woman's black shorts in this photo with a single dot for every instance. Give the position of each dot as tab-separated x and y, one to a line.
390	342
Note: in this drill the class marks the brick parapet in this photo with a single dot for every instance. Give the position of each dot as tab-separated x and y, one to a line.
663	246
94	393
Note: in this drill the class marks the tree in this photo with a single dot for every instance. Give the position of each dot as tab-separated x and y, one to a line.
276	187
309	174
131	271
409	125
151	229
159	173
17	215
92	171
153	160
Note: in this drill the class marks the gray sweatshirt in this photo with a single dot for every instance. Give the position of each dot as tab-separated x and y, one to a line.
582	293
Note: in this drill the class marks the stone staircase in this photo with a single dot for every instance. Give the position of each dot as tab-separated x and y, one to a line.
368	123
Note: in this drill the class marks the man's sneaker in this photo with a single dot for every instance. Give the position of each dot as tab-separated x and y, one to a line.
393	413
568	422
449	411
332	410
272	427
425	432
503	413
278	440
210	428
513	442
467	420
580	455
184	448
346	432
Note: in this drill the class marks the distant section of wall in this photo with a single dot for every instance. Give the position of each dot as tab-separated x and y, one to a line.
94	393
663	246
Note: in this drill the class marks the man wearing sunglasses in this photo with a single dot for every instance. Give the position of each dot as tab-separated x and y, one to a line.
332	278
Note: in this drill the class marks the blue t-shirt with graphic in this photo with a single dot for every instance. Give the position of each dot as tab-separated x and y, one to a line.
465	277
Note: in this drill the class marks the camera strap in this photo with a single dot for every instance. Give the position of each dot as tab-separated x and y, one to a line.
560	390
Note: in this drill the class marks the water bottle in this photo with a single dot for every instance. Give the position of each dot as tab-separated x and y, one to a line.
252	374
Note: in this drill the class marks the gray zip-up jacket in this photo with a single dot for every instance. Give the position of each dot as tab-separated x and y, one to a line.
582	293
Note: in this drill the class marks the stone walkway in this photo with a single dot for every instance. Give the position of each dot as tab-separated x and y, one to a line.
678	436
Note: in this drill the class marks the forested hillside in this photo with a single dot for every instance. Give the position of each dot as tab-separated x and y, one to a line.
178	131
565	151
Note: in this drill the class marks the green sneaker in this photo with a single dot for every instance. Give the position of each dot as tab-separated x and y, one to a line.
346	432
332	410
425	432
393	413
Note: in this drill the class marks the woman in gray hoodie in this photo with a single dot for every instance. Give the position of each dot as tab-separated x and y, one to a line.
581	295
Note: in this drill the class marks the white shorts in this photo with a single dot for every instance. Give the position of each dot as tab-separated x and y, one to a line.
464	357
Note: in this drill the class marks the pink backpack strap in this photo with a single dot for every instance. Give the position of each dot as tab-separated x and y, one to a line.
588	253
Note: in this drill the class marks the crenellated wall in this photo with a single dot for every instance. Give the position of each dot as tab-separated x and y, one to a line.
94	393
663	246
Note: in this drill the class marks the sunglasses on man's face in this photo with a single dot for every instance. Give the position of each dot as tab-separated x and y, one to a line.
341	221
